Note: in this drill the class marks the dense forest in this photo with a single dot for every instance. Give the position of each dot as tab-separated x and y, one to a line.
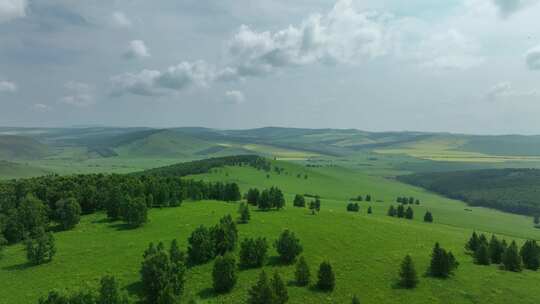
511	190
29	206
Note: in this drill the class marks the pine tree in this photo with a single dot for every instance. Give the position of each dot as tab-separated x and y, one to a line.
244	215
302	273
225	235
442	263
481	255
391	211
511	259
252	196
530	254
407	274
496	250
288	246
355	300
253	252
428	217
299	201
279	289
175	254
224	273
473	242
369	210
326	278
409	214
261	292
201	248
400	211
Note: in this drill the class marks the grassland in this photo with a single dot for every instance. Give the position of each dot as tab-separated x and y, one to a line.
365	250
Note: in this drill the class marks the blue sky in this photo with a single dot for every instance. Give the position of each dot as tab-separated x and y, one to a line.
470	66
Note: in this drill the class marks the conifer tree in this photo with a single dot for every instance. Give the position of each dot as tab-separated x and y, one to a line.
261	292
244	215
428	217
473	242
530	254
252	196
511	259
288	246
407	274
442	263
409	214
224	273
326	278
175	254
279	289
253	252
302	273
496	250
225	235
391	211
481	255
201	246
299	201
400	211
369	210
355	300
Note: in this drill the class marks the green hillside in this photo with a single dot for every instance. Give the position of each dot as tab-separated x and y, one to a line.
365	250
9	170
20	147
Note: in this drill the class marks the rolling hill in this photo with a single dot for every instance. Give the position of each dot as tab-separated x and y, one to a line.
21	147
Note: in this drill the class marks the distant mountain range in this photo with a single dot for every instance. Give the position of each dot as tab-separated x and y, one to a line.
195	142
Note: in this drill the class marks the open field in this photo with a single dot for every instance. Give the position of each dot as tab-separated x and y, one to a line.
364	249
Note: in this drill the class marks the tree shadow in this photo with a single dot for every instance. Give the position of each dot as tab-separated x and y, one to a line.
207	293
120	226
135	289
275	261
104	220
18	267
314	288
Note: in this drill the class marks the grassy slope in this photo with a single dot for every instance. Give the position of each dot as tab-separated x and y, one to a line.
20	147
9	170
365	250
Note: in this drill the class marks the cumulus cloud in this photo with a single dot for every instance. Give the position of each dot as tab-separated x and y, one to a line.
121	20
79	94
137	49
234	97
509	7
12	9
449	50
532	58
504	90
344	35
7	86
40	107
174	78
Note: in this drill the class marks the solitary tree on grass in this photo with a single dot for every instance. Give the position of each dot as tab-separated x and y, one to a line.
326	277
407	274
302	273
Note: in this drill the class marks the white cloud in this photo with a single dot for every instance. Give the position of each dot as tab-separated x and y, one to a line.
121	20
137	49
532	58
174	78
509	7
12	9
449	50
234	97
505	90
8	86
39	107
79	94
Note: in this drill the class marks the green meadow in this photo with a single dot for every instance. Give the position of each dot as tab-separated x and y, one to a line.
365	250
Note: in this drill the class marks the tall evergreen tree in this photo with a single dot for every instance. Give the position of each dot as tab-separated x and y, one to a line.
279	289
355	300
511	259
409	214
473	242
299	201
225	235
391	211
326	279
369	210
496	250
442	263
175	254
302	273
109	293
530	254
288	247
224	275
243	213
428	217
261	292
252	196
481	255
407	273
253	252
400	211
201	248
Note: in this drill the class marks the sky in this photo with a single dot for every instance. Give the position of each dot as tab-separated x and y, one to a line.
462	66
